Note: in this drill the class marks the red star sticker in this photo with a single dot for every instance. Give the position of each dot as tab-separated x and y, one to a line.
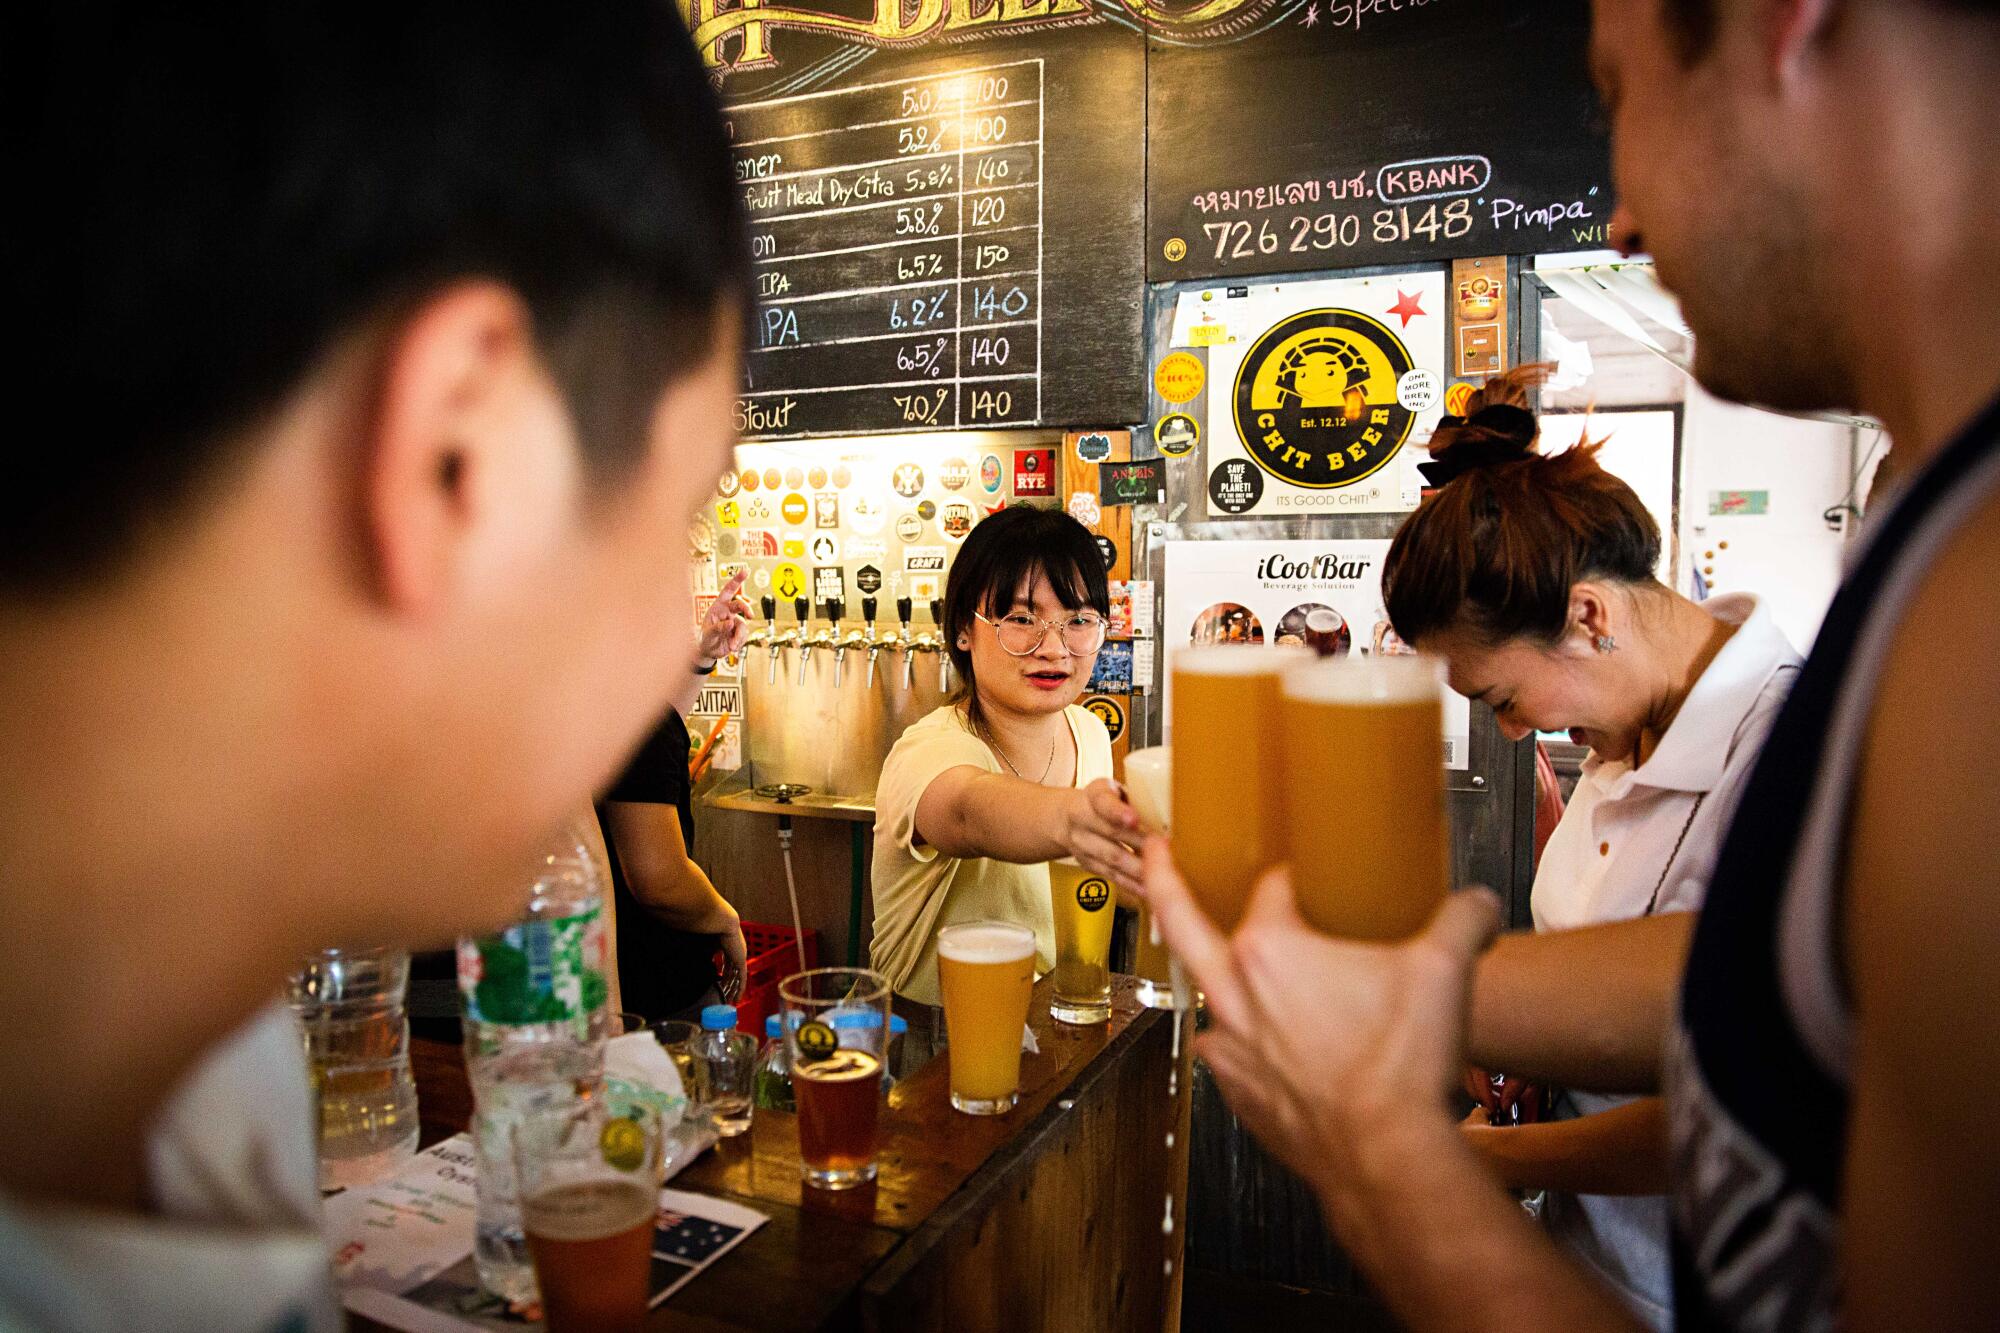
993	509
1406	306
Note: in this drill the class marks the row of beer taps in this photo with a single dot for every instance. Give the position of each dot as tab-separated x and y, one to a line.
829	636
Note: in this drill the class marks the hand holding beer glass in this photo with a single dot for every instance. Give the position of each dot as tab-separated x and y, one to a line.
837	1034
590	1189
987	972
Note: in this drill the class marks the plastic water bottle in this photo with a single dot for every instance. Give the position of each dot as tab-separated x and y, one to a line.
773	1079
349	1003
536	1020
728	1059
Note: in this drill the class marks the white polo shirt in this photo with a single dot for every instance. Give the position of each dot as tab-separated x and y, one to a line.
1622	824
1614	848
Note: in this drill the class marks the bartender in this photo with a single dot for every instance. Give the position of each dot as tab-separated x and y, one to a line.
1010	774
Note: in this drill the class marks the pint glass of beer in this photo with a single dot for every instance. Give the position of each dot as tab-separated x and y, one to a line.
1149	784
1228	784
589	1189
1366	829
837	1033
1085	905
987	972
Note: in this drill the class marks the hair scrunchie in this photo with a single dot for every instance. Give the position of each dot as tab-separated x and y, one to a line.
1510	436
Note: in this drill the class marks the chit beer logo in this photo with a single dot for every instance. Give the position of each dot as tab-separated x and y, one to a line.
1093	894
1315	399
1109	713
816	1040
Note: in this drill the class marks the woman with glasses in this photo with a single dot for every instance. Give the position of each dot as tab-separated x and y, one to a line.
978	797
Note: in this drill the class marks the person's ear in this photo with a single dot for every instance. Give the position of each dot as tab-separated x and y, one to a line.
1591	617
1788	31
458	384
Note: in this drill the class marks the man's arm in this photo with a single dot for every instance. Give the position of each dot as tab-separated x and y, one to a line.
1619	1151
1585	1008
1922	938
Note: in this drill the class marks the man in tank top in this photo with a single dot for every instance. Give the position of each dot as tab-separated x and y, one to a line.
1815	179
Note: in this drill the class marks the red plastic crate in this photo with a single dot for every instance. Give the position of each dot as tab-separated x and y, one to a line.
770	958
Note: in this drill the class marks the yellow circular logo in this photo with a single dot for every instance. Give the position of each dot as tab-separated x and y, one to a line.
1175	250
623	1145
816	1041
1315	399
1456	397
1179	377
1109	713
1092	894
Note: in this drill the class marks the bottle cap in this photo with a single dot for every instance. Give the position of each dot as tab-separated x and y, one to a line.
771	1028
718	1017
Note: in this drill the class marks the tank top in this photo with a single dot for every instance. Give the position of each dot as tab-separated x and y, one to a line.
1757	1069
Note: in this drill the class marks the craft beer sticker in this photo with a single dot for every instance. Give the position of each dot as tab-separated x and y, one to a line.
729	514
830	583
1179	377
1108	711
729	485
908	480
1034	472
868	579
1176	434
989	473
866	513
955	520
788	581
794	509
1328	397
826	509
825	549
954	474
909	527
1093	894
1093	448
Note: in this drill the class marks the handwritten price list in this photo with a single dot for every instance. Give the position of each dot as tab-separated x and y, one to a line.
896	230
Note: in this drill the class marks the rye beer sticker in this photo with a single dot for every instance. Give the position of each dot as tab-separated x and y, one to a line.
1316	399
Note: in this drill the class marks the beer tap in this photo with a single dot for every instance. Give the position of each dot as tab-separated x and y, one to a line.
759	638
876	643
836	609
788	638
923	643
807	640
944	656
903	639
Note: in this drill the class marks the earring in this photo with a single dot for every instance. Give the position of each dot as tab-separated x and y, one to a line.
1606	644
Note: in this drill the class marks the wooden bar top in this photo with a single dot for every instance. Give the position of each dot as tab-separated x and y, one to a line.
811	1265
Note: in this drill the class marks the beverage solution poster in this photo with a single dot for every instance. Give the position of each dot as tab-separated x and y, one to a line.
1321	394
1322	594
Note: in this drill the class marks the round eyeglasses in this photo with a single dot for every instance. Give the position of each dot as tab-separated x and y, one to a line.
1021	634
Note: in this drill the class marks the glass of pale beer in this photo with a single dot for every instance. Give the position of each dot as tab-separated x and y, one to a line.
1085	905
987	972
837	1032
1228	786
590	1190
1366	825
1149	784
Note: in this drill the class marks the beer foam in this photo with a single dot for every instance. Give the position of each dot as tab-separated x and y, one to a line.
843	1066
986	942
588	1210
1236	659
1364	680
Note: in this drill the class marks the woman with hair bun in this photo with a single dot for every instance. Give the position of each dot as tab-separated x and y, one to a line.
1533	577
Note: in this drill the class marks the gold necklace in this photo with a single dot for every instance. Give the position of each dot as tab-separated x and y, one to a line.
1047	768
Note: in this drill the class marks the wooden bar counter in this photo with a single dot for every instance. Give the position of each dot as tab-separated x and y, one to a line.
1048	1217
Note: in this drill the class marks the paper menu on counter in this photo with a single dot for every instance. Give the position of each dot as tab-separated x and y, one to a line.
402	1249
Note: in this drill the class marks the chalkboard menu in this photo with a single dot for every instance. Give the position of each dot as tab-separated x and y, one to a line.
943	239
1337	134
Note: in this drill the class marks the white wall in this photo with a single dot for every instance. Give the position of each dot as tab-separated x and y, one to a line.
1788	556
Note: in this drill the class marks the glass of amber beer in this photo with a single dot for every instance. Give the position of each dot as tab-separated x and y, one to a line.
1366	828
837	1033
987	972
1149	784
1228	786
590	1189
1085	905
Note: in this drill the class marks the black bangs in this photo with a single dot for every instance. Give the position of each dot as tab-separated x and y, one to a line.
1007	551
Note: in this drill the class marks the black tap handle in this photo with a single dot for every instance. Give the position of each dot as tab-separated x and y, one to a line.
836	610
802	607
868	609
903	611
937	612
770	606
